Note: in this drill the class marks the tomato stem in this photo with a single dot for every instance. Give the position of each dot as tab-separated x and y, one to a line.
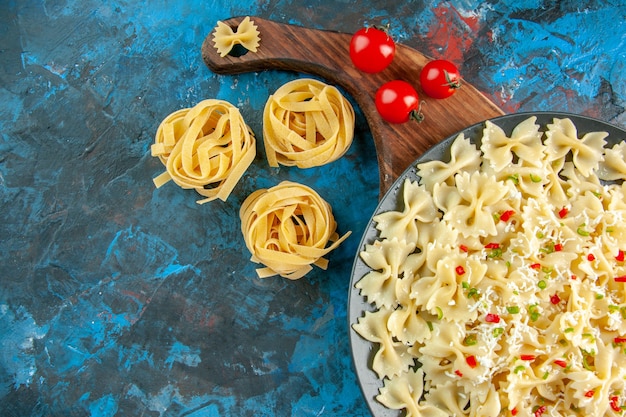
417	114
456	84
383	28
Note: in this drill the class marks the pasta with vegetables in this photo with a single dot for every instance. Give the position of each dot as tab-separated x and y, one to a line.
499	288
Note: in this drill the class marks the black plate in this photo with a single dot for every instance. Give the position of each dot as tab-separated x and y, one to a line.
362	350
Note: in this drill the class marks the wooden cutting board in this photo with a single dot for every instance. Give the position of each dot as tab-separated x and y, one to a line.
326	54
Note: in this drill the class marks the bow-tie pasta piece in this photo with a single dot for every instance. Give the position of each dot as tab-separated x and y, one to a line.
470	204
307	123
247	35
418	208
562	139
405	392
408	327
206	148
524	145
391	358
383	285
464	157
287	228
614	165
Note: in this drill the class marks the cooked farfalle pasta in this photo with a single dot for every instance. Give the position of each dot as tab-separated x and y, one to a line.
469	203
287	228
401	393
562	140
206	148
392	357
247	35
307	123
464	157
614	166
383	283
499	288
418	207
501	150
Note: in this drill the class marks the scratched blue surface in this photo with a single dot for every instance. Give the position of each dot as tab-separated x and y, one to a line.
119	299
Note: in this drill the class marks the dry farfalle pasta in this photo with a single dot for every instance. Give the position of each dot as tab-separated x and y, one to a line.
512	294
206	148
287	228
307	123
246	35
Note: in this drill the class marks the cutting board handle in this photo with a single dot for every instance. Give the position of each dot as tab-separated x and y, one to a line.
325	54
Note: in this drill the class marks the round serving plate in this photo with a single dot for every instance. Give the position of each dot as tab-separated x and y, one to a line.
363	350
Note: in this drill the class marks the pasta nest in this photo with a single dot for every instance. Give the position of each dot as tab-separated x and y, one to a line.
307	123
247	35
206	148
287	228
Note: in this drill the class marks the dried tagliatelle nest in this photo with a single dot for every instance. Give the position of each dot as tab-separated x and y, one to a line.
206	148
246	35
287	228
307	123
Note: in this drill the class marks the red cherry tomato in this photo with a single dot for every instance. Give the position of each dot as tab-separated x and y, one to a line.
372	50
398	102
440	78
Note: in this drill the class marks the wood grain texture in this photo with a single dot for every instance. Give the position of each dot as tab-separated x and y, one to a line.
326	54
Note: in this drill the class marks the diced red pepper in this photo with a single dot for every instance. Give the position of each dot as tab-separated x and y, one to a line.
506	216
561	363
619	340
458	373
528	357
492	318
471	361
492	245
614	405
591	257
555	299
563	212
460	270
541	410
463	248
590	393
558	247
514	412
536	266
620	256
620	279
574	277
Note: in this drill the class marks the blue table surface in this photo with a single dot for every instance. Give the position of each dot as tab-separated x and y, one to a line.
120	299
